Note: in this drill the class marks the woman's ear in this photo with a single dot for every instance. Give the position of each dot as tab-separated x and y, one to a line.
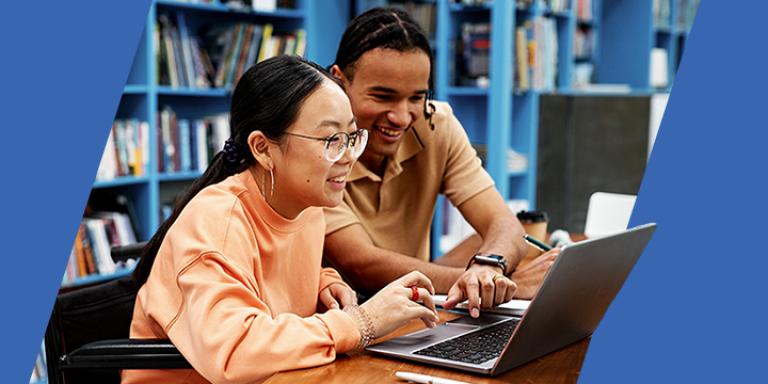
258	144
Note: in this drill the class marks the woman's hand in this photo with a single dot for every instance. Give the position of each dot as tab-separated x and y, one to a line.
337	296
393	306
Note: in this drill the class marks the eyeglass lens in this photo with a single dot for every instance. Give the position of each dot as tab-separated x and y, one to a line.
339	142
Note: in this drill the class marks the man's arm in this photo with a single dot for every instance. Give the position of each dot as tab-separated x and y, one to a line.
370	268
500	231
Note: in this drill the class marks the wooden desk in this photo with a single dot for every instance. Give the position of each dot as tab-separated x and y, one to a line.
561	366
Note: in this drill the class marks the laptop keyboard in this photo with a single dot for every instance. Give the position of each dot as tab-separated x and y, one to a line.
474	347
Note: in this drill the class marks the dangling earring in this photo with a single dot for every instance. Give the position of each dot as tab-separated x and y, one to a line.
272	186
264	186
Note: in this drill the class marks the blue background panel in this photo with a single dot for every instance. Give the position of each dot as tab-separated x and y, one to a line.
64	66
694	308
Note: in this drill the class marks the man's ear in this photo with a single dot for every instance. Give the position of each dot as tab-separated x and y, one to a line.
258	144
339	74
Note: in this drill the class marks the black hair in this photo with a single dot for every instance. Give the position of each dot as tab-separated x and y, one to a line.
267	98
388	28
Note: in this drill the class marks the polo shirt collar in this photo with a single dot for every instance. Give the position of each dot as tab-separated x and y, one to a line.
410	146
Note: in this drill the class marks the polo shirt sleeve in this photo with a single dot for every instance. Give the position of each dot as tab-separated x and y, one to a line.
339	217
464	175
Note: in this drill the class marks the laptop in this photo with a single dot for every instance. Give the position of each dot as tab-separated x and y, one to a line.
570	303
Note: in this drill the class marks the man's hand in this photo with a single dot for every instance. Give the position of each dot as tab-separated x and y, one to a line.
529	278
482	286
335	294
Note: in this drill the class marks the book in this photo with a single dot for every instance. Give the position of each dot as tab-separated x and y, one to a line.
185	145
522	78
265	41
97	233
474	54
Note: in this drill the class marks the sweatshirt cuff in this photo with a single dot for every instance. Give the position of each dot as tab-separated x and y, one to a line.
343	330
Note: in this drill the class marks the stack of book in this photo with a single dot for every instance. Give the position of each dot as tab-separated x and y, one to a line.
473	54
186	145
181	59
97	234
222	53
235	48
536	55
127	150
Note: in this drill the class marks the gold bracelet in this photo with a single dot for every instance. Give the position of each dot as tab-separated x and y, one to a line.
364	325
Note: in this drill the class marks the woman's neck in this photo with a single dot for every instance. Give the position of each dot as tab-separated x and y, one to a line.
279	202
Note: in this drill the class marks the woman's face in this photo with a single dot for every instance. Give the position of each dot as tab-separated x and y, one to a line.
387	92
303	175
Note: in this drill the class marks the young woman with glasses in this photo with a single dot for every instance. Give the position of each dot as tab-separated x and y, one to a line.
233	277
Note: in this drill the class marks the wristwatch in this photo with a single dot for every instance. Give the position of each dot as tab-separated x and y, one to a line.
494	260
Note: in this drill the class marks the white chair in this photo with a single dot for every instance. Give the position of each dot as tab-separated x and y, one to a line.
608	213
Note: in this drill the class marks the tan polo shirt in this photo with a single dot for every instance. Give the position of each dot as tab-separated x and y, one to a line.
397	210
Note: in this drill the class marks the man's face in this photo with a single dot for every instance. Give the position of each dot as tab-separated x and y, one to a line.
387	91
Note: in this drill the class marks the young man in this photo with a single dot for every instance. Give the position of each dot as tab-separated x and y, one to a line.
417	149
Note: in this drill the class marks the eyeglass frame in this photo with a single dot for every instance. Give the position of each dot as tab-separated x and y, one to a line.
329	139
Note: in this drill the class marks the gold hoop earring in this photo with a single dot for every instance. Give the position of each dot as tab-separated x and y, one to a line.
272	186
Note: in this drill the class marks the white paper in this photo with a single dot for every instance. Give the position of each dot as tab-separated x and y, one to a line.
512	307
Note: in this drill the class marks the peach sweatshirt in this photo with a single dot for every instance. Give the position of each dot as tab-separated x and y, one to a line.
235	287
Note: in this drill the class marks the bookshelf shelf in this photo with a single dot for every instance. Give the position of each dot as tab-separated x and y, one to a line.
120	182
187	91
178	176
135	89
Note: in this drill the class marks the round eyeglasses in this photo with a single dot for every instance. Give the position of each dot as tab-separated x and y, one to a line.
339	142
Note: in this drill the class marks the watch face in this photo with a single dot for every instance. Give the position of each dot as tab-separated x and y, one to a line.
495	260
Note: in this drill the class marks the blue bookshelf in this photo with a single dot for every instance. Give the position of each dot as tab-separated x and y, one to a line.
501	117
143	97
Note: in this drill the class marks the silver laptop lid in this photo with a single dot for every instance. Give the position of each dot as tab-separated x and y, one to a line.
575	295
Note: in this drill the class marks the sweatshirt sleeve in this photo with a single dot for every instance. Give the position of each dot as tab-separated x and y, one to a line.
229	334
329	276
